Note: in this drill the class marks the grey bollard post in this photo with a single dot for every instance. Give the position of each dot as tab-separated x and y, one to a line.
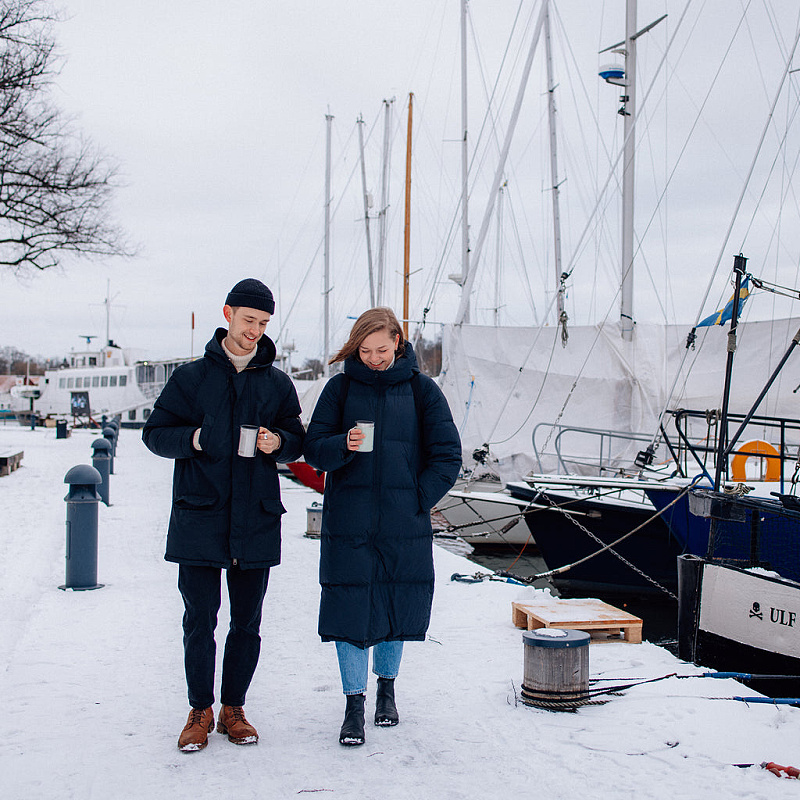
101	461
82	528
110	435
114	425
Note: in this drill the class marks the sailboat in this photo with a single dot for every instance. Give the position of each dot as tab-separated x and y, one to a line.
739	604
618	380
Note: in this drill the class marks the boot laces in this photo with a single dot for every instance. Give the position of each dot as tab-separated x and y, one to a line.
196	716
238	713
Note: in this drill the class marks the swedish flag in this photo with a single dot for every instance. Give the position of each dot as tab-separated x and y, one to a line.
724	314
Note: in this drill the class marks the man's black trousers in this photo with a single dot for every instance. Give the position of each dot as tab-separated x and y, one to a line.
200	589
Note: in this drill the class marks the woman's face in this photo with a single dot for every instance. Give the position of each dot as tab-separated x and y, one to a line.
377	350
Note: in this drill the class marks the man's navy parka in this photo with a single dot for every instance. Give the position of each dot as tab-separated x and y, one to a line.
376	562
225	509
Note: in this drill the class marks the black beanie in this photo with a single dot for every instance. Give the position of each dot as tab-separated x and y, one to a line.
251	293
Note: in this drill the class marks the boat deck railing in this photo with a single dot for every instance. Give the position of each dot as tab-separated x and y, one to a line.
692	446
777	440
608	451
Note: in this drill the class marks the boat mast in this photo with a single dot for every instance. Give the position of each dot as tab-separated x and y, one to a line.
367	204
407	229
628	112
462	315
499	264
108	311
327	278
387	125
461	279
554	184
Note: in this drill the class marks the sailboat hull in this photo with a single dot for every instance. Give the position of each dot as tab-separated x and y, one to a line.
561	541
736	620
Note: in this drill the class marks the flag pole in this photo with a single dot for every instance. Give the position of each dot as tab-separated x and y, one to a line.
739	265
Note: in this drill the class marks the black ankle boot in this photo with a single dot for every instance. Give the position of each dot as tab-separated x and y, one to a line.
352	732
385	709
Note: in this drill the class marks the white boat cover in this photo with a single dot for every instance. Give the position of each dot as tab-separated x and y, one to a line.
501	382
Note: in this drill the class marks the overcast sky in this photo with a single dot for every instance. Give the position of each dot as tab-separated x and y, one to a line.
215	114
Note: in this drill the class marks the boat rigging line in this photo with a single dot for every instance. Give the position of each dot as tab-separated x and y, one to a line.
723	248
767	286
571	265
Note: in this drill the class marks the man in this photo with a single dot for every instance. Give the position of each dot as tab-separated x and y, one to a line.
226	508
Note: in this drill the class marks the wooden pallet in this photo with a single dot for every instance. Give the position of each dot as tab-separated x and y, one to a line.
600	620
9	461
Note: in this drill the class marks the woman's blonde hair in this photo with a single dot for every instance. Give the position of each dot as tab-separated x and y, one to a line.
372	321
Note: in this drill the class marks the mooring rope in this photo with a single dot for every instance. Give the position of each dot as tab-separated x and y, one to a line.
606	547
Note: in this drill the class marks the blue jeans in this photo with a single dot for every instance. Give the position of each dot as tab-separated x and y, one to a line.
354	664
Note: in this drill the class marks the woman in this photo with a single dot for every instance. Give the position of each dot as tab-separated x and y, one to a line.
376	562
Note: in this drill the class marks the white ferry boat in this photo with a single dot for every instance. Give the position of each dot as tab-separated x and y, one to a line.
92	384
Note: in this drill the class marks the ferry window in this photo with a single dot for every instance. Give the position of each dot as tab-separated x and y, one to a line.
78	383
123	380
113	380
132	414
92	361
104	380
70	383
62	382
145	373
95	380
146	413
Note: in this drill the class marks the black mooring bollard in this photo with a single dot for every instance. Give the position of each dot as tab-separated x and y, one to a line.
82	528
101	461
111	436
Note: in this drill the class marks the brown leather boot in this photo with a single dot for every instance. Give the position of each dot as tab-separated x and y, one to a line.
194	735
240	731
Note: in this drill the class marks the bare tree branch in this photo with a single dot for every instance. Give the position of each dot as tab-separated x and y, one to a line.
54	189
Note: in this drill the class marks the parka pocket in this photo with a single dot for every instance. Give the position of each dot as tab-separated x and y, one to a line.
272	506
193	501
205	432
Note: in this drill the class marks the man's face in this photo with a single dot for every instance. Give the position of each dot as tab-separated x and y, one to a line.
245	327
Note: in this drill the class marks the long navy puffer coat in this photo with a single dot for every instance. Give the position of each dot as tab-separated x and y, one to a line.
376	563
225	509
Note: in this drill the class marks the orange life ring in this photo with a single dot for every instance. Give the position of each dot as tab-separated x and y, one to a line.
756	448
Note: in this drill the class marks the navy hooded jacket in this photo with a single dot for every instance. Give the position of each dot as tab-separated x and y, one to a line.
376	562
225	509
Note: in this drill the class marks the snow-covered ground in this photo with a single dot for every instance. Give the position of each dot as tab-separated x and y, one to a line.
94	698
